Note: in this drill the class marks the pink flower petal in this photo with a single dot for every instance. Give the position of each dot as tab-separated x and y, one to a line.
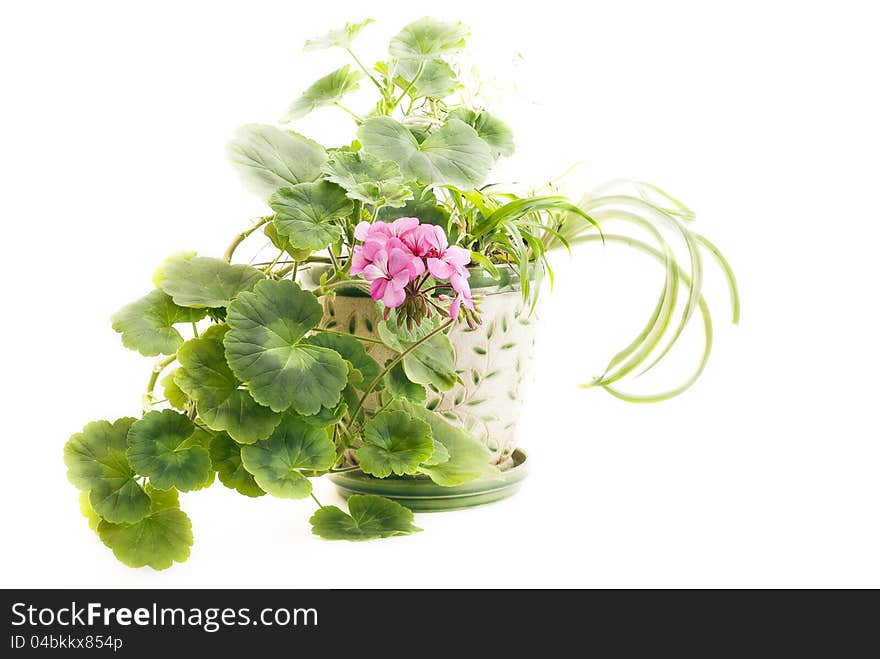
439	269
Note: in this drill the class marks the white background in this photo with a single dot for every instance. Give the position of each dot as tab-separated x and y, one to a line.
763	117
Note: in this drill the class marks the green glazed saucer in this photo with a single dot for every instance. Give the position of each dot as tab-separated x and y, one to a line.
421	494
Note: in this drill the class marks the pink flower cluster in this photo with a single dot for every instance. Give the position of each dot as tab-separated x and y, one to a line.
395	256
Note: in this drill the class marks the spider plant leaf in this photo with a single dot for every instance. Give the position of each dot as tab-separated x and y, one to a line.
520	207
728	275
477	257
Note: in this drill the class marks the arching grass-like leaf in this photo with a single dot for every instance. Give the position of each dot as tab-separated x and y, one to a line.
468	458
340	38
427	38
329	90
205	282
162	537
394	442
164	446
452	155
147	325
268	158
96	463
432	362
492	130
265	349
437	79
368	179
371	517
308	213
294	446
221	401
226	461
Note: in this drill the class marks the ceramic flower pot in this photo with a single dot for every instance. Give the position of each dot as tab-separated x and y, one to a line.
493	362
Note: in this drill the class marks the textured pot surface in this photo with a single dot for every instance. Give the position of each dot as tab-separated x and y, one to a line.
493	362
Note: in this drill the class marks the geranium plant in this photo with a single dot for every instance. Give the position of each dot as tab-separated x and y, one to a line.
265	394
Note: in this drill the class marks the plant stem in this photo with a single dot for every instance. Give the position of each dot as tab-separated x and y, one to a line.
312	494
268	268
227	255
394	363
354	336
195	330
356	116
342	470
408	87
365	70
154	377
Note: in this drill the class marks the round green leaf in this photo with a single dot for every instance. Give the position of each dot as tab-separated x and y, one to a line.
400	386
467	458
268	158
207	282
437	79
164	447
427	38
265	349
491	130
283	243
173	393
220	401
371	517
452	155
147	325
350	349
368	179
158	540
423	205
294	446
394	442
96	462
226	460
327	416
328	90
431	362
307	214
338	38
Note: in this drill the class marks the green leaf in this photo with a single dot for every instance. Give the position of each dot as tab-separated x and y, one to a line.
400	386
206	282
371	517
158	540
265	349
96	462
493	131
226	461
268	158
173	393
432	362
438	456
147	325
341	38
85	507
327	91
452	155
423	205
368	179
276	462
327	416
282	243
159	274
427	38
468	458
220	401
162	446
351	350
437	79
396	443
307	213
